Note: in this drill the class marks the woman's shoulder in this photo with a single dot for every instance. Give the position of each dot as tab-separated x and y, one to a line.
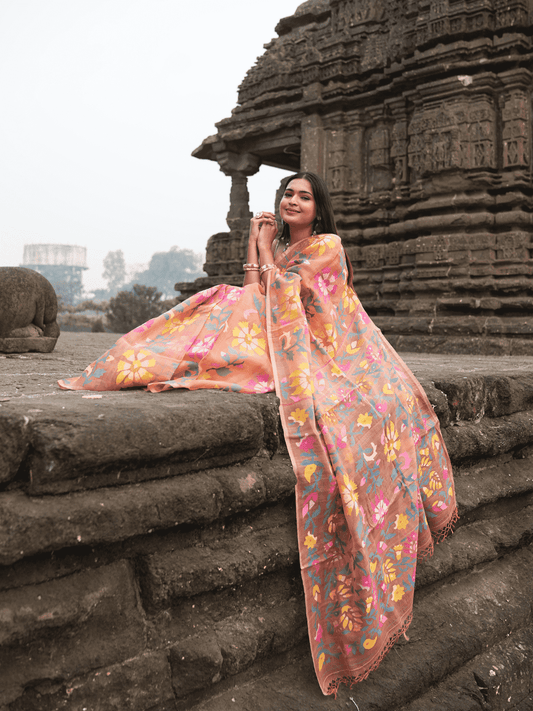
325	241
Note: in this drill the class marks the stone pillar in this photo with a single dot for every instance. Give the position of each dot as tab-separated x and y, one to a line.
238	166
313	148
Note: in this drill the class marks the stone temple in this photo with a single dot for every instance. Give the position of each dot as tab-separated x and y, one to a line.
418	115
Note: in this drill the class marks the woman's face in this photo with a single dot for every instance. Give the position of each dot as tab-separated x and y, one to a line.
297	206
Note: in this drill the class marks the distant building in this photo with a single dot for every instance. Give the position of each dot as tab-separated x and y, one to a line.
61	264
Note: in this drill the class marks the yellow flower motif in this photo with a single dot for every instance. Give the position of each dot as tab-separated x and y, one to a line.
302	382
353	347
310	541
350	618
391	441
178	323
369	643
299	416
316	593
434	481
387	389
398	550
321	245
364	420
309	471
349	494
329	418
369	602
389	571
245	337
398	592
133	370
425	460
328	341
289	305
349	299
435	442
401	522
321	660
362	383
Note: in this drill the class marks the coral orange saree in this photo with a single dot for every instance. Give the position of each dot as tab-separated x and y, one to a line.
374	485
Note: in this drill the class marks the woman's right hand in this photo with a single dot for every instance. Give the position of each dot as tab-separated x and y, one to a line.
260	219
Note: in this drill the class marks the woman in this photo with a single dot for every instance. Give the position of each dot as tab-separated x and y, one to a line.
373	478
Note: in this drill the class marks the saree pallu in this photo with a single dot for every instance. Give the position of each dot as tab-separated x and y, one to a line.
374	484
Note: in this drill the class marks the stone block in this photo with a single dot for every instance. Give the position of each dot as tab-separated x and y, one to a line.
234	644
497	679
138	684
27	345
31	525
183	429
487	481
68	627
196	663
491	437
237	557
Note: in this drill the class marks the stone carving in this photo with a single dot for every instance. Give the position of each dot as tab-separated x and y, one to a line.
28	311
418	115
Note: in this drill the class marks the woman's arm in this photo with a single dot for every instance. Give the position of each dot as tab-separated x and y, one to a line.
263	231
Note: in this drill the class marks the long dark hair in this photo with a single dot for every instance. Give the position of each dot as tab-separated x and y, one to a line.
325	219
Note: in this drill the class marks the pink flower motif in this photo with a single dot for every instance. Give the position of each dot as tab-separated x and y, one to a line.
381	407
144	326
372	356
326	282
307	443
261	384
318	635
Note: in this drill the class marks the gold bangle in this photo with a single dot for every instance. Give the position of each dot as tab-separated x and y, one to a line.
266	268
250	268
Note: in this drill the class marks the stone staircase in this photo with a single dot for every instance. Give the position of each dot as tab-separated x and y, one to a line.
148	553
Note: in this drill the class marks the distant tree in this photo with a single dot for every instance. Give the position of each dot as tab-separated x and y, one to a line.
114	270
129	309
167	268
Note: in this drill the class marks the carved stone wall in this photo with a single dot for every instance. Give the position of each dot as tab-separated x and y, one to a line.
418	115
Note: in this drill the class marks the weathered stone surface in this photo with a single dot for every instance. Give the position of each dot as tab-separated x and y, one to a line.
45	624
139	684
39	524
28	308
77	437
498	679
450	628
234	644
491	437
476	543
489	480
32	343
239	555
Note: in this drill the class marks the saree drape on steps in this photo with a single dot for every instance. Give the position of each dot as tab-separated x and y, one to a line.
373	478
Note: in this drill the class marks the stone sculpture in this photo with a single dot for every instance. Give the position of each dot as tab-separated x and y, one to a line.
28	311
418	115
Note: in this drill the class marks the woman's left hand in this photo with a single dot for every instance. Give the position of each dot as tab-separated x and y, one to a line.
268	228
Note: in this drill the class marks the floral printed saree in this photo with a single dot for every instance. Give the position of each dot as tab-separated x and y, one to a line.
374	485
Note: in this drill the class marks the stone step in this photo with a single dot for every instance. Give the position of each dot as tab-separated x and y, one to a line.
450	629
498	679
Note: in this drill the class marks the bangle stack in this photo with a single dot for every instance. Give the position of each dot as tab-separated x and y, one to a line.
266	268
250	267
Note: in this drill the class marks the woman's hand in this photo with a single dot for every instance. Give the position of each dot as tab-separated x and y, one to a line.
265	227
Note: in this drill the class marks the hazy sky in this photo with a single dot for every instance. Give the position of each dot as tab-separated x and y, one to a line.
103	102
